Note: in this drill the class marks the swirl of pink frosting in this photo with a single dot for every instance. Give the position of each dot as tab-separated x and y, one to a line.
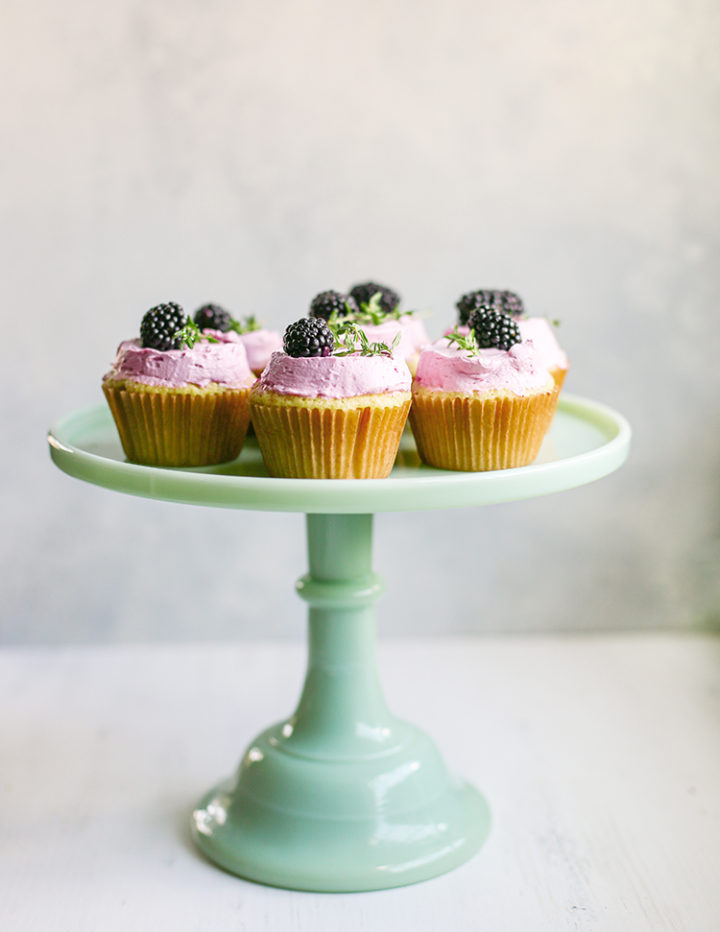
224	363
411	330
259	346
540	331
447	367
334	376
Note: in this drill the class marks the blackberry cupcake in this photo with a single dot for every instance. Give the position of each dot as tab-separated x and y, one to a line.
537	329
259	342
481	400
376	310
331	405
179	397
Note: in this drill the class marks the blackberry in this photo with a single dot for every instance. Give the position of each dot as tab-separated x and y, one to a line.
309	336
326	302
213	317
159	324
506	302
362	293
493	328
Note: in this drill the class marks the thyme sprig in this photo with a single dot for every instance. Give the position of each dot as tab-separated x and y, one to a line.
466	341
371	312
350	339
246	324
191	334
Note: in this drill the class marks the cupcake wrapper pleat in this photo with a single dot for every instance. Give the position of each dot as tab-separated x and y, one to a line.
329	442
473	434
559	377
166	428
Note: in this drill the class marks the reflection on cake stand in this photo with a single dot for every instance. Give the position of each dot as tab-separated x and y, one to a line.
343	796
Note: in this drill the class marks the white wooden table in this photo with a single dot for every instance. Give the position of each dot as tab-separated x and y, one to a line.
599	755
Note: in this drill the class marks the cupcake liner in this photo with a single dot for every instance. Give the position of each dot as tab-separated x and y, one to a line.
162	427
328	440
559	376
474	433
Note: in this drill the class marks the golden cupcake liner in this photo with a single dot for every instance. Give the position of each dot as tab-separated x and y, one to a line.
164	427
473	433
326	439
559	377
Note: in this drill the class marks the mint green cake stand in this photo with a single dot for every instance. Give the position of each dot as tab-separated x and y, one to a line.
343	796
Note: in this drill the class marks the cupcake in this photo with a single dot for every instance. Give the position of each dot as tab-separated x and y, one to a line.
330	405
382	320
537	329
179	397
376	310
259	342
482	400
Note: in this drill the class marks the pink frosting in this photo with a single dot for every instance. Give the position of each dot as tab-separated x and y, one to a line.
334	376
224	362
412	334
447	367
259	346
541	332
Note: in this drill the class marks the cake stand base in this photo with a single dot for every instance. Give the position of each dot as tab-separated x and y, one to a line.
326	838
342	796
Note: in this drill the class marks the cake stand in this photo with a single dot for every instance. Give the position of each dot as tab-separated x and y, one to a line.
343	796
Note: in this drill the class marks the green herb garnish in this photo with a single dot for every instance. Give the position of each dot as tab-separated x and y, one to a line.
245	324
191	334
350	339
371	312
467	342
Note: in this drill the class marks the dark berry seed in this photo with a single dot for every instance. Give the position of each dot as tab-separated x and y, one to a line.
326	302
362	293
159	324
310	336
212	317
493	328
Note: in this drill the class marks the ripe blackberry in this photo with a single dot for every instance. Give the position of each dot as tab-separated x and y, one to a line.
362	293
309	336
159	324
213	317
492	328
506	302
326	302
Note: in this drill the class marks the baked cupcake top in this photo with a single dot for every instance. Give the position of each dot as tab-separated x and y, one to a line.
448	367
172	352
540	332
489	356
223	362
376	310
334	376
321	360
537	329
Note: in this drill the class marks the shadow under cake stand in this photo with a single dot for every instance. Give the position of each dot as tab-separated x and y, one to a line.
343	796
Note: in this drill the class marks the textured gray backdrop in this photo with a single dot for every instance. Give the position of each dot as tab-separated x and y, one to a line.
254	154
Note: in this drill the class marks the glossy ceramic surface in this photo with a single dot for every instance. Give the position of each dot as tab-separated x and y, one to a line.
587	441
343	796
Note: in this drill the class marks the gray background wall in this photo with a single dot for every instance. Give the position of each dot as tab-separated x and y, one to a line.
254	154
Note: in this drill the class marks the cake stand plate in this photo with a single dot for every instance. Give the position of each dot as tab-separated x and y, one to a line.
342	795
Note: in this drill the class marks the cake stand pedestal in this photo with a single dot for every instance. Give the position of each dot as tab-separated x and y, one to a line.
343	796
